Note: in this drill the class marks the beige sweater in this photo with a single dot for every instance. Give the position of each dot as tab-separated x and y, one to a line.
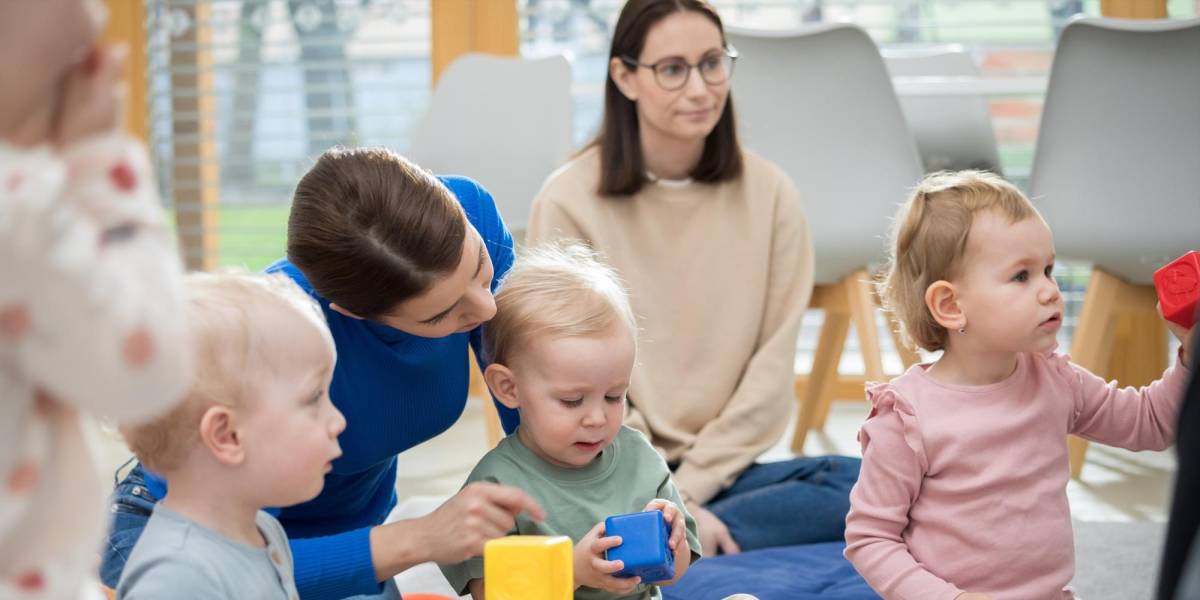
719	276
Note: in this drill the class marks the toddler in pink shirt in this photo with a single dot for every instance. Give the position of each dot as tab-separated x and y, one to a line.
962	494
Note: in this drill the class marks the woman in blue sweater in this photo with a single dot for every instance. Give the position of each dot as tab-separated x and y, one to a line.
404	265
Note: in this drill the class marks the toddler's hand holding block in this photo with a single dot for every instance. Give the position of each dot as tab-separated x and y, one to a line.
528	567
1178	287
644	548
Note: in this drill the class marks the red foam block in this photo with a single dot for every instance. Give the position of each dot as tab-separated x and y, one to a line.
1178	287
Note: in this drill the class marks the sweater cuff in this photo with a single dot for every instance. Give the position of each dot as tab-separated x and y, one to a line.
336	566
699	485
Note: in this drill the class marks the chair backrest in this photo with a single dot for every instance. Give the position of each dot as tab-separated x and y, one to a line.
819	103
1117	169
953	131
505	122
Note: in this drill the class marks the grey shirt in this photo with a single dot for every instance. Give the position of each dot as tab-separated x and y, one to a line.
180	559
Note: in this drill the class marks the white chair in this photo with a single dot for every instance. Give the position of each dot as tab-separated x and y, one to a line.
953	132
819	103
1117	176
505	122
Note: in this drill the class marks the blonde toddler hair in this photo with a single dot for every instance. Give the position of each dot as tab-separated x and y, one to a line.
225	313
929	239
558	289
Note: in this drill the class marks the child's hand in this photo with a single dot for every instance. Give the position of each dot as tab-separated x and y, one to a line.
972	596
92	96
1185	338
674	518
592	570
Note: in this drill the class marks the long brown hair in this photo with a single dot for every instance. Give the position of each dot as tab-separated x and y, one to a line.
370	230
622	166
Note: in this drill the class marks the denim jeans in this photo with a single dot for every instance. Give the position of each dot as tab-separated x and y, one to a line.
799	501
131	504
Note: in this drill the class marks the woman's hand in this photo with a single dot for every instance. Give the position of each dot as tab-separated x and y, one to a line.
479	512
714	535
593	570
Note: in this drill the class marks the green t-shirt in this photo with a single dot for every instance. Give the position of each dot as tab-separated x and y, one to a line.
626	476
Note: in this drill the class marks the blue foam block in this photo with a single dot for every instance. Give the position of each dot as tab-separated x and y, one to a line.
645	545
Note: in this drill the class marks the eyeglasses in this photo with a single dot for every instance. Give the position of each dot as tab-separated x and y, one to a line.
672	73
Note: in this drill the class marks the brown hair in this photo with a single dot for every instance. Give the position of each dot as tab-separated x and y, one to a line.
929	239
370	229
234	351
622	166
560	289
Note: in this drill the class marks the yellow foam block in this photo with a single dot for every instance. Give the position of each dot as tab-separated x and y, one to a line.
528	567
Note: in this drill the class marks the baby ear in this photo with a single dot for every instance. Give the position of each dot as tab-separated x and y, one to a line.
941	297
218	433
500	380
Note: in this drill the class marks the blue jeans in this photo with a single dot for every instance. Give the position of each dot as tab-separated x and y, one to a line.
131	505
799	501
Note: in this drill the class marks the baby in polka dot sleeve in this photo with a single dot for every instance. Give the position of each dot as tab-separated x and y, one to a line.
90	291
256	429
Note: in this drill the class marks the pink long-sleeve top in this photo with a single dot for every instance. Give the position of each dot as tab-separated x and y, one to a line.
963	488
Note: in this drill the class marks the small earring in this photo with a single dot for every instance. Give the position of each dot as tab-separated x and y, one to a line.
962	329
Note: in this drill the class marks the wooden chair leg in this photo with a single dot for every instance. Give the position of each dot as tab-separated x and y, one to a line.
826	388
832	339
860	302
860	292
908	356
1142	340
851	300
1091	346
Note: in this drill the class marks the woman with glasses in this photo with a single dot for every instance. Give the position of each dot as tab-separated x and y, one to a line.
714	246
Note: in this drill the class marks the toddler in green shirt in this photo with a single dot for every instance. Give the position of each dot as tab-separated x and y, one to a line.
561	350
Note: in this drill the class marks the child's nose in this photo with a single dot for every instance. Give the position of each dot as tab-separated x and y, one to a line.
1050	292
337	424
594	417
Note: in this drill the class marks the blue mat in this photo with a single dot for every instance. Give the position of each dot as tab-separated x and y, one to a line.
809	572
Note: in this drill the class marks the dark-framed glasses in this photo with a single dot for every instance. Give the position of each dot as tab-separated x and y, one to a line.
672	73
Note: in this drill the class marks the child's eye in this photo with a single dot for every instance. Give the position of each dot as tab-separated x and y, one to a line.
617	398
1050	270
1022	276
316	397
576	403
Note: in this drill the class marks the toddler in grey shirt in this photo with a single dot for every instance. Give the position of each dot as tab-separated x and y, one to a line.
255	429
